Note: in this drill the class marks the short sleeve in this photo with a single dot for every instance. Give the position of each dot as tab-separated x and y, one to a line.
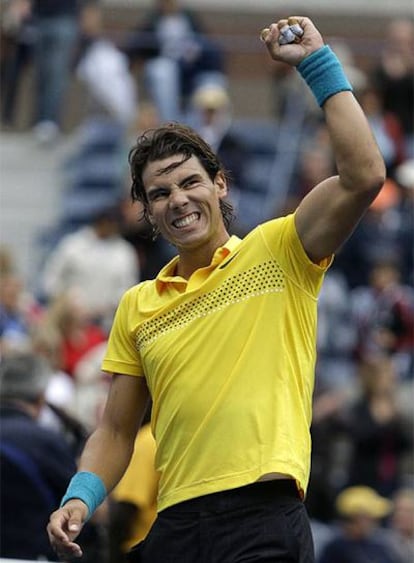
284	244
122	355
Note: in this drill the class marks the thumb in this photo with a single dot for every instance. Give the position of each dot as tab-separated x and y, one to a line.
75	523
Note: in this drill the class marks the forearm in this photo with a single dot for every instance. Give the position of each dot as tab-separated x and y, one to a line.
108	451
107	454
104	460
99	472
358	159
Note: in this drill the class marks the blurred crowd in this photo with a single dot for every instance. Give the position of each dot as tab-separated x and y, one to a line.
53	328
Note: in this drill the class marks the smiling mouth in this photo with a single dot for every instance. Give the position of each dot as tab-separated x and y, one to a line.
186	221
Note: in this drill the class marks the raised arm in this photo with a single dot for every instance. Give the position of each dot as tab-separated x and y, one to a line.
329	213
103	462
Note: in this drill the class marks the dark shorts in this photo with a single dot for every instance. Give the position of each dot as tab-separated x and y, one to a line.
264	522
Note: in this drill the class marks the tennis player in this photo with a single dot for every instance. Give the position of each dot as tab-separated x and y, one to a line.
223	341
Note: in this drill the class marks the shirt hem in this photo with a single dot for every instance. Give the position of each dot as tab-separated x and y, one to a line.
234	481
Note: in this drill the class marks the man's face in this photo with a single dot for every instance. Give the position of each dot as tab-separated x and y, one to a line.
184	203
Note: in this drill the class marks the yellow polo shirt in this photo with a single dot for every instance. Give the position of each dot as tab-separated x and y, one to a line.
229	361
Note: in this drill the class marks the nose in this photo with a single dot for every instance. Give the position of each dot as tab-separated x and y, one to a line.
178	197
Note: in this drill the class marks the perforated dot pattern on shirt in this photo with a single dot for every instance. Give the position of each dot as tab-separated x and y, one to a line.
264	278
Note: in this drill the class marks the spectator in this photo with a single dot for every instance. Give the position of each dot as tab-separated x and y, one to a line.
383	313
47	343
104	70
394	76
401	523
211	116
19	311
56	25
329	454
18	35
336	334
177	56
360	537
78	334
386	127
380	436
315	162
378	236
92	386
36	462
97	262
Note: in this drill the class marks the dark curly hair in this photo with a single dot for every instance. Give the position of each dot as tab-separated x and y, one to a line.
169	140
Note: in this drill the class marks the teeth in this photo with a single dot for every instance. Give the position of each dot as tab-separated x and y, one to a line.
185	221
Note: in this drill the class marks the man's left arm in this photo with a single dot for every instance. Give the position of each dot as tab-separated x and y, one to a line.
329	213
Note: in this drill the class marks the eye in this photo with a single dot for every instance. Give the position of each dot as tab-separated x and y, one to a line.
156	195
190	183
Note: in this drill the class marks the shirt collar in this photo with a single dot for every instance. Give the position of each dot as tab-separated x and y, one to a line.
166	275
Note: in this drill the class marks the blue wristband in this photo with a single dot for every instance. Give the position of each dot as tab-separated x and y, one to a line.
87	487
324	74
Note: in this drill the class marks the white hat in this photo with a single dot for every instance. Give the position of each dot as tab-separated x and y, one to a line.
211	96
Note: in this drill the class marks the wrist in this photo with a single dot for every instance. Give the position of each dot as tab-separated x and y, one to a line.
323	73
87	487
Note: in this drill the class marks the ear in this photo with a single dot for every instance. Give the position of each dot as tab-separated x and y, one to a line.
221	185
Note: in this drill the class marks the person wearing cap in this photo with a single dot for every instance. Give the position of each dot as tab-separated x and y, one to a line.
36	462
224	342
212	113
211	117
360	537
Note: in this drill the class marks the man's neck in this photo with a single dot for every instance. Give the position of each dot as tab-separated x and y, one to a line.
194	259
188	264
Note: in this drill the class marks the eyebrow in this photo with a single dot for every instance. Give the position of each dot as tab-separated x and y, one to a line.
154	189
171	167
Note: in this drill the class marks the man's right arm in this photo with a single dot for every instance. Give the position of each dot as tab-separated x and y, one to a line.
106	455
